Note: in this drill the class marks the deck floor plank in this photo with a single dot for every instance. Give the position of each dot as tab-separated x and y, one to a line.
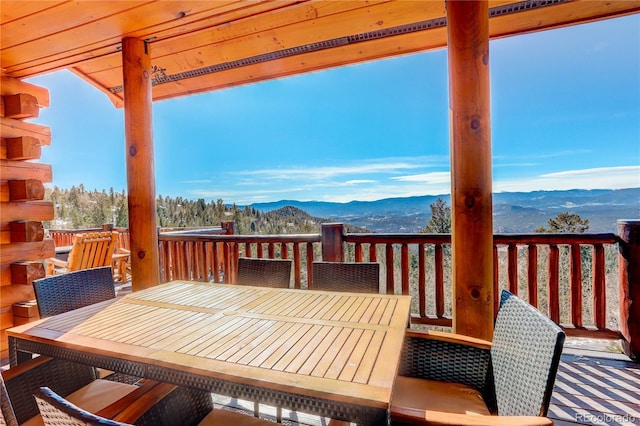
594	390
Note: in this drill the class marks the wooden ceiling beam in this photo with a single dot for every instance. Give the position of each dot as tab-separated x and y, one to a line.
101	37
234	33
116	99
251	28
343	55
13	10
559	16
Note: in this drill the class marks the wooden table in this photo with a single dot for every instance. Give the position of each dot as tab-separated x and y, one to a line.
325	353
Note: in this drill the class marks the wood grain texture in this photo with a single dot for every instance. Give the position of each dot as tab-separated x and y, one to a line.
136	58
344	346
84	37
471	203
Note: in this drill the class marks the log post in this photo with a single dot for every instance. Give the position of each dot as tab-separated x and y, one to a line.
136	65
332	236
228	227
472	227
629	261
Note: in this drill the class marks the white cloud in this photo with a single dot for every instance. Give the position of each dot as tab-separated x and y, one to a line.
434	177
594	178
359	181
392	165
326	183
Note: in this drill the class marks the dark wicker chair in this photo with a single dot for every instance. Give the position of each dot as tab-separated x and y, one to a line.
359	277
65	292
446	378
154	403
57	294
264	272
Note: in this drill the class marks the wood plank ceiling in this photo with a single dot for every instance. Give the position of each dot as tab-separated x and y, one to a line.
199	46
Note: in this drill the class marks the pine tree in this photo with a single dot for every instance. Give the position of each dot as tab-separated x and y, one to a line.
440	222
565	223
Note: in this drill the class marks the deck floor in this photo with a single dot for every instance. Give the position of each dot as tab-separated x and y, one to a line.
596	390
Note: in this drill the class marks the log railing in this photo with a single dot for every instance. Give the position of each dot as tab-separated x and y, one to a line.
582	281
553	278
64	237
212	257
538	267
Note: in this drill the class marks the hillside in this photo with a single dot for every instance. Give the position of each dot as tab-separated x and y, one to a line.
513	211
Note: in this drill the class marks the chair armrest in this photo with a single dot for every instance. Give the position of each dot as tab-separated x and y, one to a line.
435	418
450	337
449	357
121	266
24	379
131	407
57	262
165	404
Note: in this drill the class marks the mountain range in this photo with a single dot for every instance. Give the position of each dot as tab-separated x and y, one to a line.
513	212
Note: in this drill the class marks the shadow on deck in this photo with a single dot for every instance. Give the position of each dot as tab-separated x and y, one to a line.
593	388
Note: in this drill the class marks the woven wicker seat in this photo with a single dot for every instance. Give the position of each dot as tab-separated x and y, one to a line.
264	272
359	277
57	411
62	293
445	378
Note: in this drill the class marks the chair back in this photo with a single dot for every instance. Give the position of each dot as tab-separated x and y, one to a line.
525	354
56	294
264	272
21	381
92	250
55	410
7	416
358	277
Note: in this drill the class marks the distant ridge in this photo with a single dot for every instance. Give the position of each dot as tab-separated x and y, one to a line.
513	211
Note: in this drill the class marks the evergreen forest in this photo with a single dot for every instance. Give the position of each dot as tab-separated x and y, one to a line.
79	208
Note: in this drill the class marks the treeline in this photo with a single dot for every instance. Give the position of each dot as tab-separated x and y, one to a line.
79	208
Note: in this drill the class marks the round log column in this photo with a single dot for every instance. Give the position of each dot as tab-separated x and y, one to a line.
629	261
136	64
472	225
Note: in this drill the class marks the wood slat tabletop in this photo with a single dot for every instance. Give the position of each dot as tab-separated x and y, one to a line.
337	346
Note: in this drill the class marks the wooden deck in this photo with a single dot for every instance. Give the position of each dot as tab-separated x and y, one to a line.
592	388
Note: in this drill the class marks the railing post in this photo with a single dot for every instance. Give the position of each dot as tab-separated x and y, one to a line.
229	227
629	261
332	242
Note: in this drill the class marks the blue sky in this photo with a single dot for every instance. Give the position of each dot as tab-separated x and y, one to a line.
565	114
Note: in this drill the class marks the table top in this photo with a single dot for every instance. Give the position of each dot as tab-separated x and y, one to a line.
338	346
